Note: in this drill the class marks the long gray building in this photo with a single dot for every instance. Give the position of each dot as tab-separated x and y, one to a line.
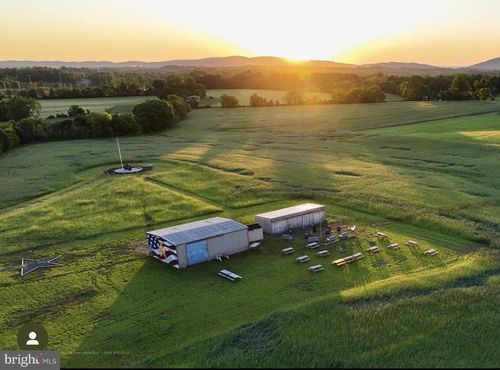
196	242
282	220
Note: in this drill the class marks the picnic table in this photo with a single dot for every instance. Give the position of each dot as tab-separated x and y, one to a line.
254	245
344	235
330	240
412	243
354	257
339	262
381	235
312	239
430	252
316	268
394	246
373	249
229	275
349	259
287	237
312	245
303	259
323	253
287	250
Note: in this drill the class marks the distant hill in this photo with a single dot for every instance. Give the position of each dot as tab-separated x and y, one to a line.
400	65
489	65
231	61
262	61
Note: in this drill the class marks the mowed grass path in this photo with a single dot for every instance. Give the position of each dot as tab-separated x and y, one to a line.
110	297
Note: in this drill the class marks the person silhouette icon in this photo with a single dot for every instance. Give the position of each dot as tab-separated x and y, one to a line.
32	341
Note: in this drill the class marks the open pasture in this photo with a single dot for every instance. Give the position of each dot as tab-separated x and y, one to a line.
372	165
55	106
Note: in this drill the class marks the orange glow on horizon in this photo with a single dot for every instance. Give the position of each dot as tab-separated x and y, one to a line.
356	32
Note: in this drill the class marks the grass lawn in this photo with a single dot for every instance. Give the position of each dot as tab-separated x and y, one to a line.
422	171
54	106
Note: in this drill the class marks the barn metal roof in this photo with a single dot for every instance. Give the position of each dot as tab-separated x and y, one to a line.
285	213
198	230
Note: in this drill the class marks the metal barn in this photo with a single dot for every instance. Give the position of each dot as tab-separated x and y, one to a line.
282	220
188	244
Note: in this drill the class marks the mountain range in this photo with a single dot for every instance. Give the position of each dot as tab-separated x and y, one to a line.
241	61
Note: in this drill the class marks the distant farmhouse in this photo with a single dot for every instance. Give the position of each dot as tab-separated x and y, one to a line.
193	99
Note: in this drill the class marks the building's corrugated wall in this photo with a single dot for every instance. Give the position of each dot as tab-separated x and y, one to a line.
227	244
281	226
182	256
231	243
255	235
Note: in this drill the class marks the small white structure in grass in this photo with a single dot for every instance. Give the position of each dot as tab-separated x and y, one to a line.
282	220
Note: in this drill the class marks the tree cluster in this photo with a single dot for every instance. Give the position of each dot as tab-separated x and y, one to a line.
456	87
259	101
228	101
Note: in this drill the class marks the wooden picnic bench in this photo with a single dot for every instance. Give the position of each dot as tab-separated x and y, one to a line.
287	237
412	243
373	249
354	257
339	262
430	252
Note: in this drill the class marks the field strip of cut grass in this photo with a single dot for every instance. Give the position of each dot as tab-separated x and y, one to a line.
122	203
450	128
190	194
50	196
439	118
232	190
55	106
225	350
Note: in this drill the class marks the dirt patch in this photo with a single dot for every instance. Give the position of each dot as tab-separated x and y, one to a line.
139	247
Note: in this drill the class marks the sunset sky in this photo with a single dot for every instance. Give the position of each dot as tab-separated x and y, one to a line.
440	32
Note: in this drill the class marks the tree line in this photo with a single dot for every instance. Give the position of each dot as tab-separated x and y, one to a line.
24	126
343	87
354	88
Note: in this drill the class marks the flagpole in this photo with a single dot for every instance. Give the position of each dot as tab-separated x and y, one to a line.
119	151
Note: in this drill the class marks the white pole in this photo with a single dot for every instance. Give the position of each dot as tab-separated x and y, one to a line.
119	152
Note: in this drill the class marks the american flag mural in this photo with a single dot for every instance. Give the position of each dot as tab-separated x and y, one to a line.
159	249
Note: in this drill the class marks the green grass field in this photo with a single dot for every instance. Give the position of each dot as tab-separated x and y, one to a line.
422	171
55	106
